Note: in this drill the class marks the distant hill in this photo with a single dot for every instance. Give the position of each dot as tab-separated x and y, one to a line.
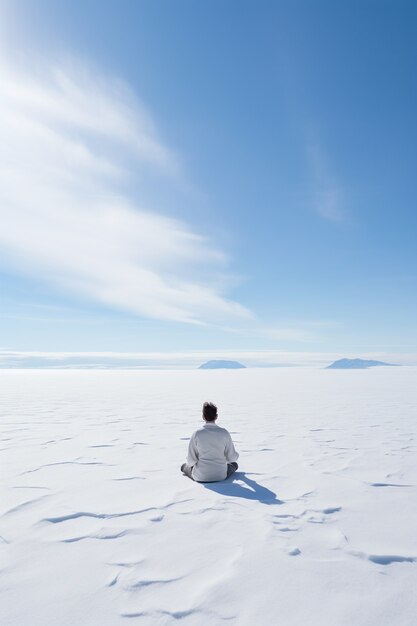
356	364
219	365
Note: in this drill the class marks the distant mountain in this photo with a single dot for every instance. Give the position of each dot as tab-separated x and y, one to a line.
356	364
219	365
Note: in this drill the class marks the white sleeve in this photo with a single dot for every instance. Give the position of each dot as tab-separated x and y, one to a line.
192	456
230	452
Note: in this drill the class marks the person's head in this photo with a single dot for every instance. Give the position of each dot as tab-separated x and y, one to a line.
209	412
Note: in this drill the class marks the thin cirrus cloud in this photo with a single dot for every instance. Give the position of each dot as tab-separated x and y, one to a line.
69	142
327	194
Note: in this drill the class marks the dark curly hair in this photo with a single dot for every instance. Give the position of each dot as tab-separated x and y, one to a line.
209	412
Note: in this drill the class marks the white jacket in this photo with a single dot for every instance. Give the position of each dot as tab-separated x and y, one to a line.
209	451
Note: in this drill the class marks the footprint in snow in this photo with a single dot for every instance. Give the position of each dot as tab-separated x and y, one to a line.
384	559
388	485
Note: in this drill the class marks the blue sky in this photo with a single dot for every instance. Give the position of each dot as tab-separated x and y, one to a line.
208	176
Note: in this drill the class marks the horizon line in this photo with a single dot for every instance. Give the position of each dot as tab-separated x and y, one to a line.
191	359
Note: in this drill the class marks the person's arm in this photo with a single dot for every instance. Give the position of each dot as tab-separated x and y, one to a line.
192	456
230	452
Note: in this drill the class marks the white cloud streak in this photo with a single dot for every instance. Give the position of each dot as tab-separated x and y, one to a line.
288	334
327	195
69	140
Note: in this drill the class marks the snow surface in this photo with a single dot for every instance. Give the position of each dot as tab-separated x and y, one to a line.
317	527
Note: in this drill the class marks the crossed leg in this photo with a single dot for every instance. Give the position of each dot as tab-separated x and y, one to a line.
231	468
188	469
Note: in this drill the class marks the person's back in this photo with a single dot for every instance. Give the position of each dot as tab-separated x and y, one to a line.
211	453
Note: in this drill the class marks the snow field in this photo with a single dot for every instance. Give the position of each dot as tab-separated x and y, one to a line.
99	527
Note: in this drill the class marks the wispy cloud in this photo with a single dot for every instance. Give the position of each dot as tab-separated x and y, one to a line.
71	142
285	331
327	192
296	334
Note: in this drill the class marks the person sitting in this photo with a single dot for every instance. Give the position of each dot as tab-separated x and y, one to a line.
211	454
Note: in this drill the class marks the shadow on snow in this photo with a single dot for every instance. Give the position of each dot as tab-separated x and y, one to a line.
251	490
